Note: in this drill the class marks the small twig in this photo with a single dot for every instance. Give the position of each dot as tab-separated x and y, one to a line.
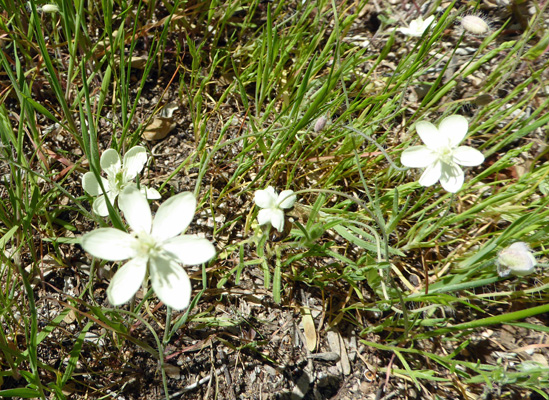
228	378
388	396
388	375
379	147
194	385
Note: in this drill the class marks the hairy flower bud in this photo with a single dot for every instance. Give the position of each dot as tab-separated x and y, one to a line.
50	8
320	124
516	259
475	25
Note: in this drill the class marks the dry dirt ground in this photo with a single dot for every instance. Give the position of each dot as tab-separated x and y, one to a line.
239	343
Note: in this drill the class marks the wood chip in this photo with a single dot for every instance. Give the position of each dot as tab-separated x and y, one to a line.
308	329
172	371
335	341
160	126
70	317
158	129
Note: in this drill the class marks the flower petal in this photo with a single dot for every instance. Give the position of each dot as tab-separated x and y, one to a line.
277	219
91	185
190	250
467	156
418	157
264	216
431	174
265	198
451	178
430	135
100	204
170	282
109	244
174	216
110	162
454	128
417	26
150	193
523	247
414	24
286	199
407	31
428	21
127	281
134	161
136	209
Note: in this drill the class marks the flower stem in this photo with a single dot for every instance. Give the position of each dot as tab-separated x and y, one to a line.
379	147
166	337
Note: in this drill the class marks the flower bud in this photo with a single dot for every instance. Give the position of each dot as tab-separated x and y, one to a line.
475	25
516	259
320	124
50	8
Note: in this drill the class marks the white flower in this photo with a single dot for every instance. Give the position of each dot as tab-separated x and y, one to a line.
417	26
441	156
272	206
516	259
118	177
156	244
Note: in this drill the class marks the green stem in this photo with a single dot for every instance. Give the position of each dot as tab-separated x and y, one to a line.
158	343
498	319
166	337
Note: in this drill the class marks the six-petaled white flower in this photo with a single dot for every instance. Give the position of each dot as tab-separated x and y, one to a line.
516	259
119	176
441	156
417	26
272	206
156	244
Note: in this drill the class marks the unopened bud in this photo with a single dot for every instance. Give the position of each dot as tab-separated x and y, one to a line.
320	124
475	25
50	8
516	259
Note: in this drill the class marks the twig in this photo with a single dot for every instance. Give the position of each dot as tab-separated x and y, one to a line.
194	385
228	379
388	373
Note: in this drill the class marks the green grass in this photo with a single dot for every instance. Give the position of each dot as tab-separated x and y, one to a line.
251	79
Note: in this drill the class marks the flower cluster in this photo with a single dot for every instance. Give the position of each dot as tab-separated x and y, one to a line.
157	246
